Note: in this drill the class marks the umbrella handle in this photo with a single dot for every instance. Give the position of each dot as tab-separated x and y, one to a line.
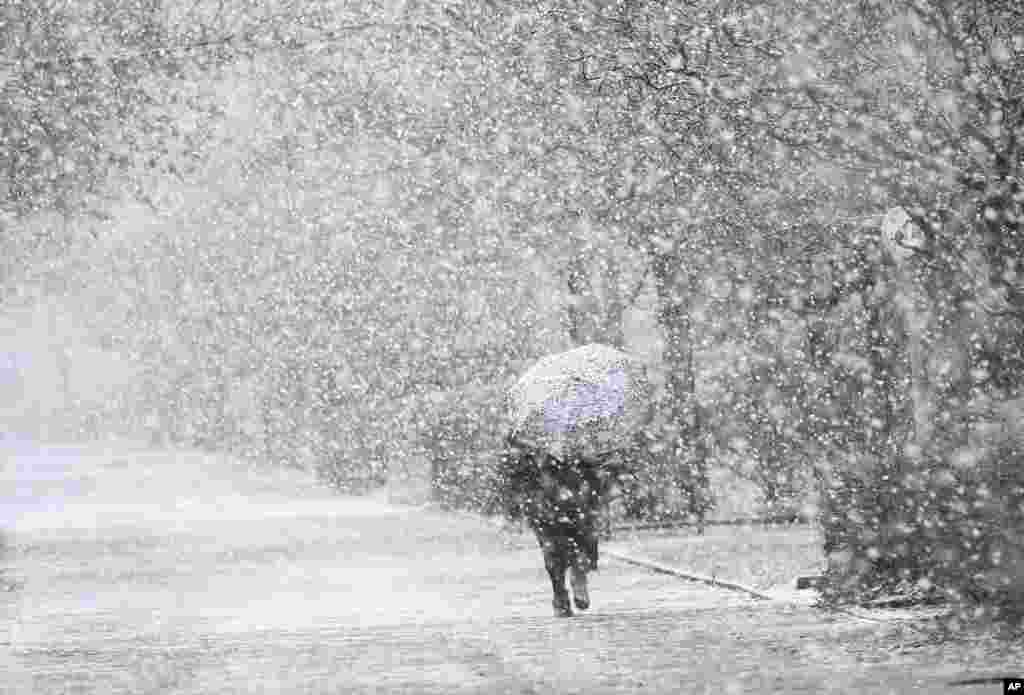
513	441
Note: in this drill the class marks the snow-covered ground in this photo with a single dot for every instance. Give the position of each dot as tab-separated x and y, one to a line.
131	570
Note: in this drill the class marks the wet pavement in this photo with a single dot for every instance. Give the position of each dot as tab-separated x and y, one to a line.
131	571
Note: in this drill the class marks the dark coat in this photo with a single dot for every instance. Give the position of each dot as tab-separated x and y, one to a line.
561	500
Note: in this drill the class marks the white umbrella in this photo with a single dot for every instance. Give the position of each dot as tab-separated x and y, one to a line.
586	402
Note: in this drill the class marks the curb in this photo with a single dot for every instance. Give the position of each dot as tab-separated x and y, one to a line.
689	576
629	559
660	568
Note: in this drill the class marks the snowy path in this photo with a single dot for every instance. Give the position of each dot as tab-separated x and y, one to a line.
141	572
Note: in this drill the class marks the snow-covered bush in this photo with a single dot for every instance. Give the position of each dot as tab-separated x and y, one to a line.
949	522
463	441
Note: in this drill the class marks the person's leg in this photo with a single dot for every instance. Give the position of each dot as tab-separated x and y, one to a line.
556	562
584	559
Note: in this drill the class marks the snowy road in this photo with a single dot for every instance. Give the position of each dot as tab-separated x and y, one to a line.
134	572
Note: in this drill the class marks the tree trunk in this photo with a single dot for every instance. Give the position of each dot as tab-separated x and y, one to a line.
592	317
579	312
613	308
916	322
902	240
882	354
685	423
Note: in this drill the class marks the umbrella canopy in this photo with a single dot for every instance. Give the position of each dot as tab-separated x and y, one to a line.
586	402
